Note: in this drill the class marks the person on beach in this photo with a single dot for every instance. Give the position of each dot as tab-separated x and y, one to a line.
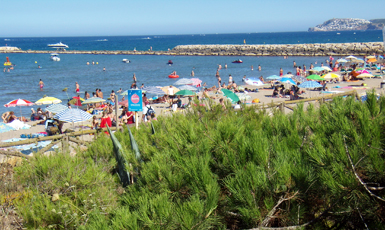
106	120
134	78
281	72
230	79
119	91
294	64
219	81
311	66
244	78
112	95
259	68
170	92
5	116
100	94
225	65
217	74
192	73
41	84
11	117
222	103
77	87
95	123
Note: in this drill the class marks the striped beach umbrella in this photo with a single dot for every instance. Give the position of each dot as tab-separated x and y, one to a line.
73	115
18	102
196	82
310	84
287	80
56	108
153	90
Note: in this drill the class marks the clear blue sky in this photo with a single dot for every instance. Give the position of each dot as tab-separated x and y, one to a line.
24	18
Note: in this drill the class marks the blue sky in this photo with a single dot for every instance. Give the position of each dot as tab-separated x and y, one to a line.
26	18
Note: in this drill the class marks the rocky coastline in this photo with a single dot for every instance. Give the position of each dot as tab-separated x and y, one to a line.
317	49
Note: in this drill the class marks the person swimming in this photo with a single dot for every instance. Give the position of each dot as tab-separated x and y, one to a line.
41	84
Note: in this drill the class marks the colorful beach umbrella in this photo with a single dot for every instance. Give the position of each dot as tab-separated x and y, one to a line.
185	92
288	75
315	77
341	60
365	75
196	82
19	102
76	101
230	95
330	76
56	108
273	77
350	58
287	80
326	68
93	100
48	101
317	69
310	84
165	89
153	90
73	115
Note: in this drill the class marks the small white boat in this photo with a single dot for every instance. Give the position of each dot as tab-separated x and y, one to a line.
58	45
126	61
55	57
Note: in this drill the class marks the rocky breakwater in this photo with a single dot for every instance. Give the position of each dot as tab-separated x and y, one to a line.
9	48
317	49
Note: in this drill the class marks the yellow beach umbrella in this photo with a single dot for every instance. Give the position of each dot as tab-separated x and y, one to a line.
365	75
330	76
370	57
48	101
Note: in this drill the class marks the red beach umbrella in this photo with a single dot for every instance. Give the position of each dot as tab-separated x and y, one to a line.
19	102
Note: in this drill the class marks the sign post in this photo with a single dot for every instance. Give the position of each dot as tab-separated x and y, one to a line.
135	103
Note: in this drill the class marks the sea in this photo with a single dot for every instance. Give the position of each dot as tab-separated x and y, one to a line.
150	70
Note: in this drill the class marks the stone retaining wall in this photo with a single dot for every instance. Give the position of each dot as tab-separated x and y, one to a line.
318	49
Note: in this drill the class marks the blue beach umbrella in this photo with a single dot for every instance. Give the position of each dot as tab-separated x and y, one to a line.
310	84
287	80
73	115
153	90
56	108
318	69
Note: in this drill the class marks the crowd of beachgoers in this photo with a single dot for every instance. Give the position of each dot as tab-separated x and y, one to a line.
335	75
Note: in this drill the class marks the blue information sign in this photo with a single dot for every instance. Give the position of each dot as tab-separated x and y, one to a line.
134	100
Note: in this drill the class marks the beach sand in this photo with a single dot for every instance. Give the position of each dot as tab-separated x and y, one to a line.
264	96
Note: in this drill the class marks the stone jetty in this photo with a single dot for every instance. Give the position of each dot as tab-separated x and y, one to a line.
317	49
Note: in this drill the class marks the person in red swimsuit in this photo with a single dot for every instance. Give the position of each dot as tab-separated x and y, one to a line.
106	120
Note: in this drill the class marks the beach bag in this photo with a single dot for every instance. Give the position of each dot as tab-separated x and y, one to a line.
150	111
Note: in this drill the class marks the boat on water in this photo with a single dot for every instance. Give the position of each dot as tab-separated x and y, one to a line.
170	62
126	61
55	57
58	45
238	61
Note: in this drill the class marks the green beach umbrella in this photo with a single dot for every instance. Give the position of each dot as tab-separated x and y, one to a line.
185	92
315	77
230	95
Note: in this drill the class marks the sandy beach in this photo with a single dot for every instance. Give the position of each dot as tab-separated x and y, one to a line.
264	95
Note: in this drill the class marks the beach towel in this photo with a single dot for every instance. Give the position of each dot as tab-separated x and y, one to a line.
5	128
16	124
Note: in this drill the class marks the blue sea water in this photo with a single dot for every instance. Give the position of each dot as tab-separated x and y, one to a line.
151	70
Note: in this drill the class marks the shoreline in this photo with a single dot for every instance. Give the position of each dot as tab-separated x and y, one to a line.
314	49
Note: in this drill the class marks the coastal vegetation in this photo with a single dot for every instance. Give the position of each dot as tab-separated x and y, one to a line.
317	167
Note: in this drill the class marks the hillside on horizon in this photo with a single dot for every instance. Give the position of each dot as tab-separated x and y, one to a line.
341	24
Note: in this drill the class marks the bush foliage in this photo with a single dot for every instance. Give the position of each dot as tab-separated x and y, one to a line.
223	169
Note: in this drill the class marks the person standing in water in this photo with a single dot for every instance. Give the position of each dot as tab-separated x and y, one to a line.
134	77
41	84
259	68
77	87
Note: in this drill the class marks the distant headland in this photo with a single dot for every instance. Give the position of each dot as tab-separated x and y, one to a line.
341	24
